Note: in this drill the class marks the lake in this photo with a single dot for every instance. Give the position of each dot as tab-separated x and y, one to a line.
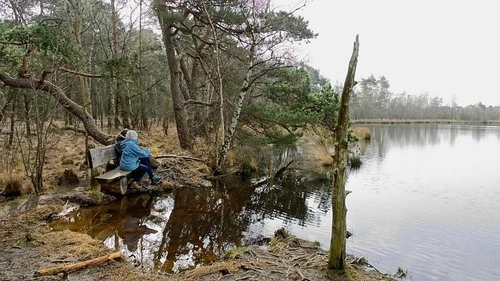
426	199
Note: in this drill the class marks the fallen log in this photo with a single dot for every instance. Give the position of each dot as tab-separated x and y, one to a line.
77	266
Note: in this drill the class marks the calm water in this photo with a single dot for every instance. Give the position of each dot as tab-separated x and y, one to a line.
426	199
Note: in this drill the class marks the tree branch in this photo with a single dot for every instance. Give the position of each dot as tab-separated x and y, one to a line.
79	73
58	93
199	102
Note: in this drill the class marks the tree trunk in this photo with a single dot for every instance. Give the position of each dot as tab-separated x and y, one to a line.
235	119
184	135
336	259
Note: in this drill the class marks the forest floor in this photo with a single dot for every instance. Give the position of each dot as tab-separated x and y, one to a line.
28	244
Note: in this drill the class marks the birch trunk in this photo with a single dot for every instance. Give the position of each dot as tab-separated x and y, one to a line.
236	115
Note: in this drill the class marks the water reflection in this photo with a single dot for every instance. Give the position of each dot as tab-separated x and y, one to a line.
201	225
421	135
196	225
123	221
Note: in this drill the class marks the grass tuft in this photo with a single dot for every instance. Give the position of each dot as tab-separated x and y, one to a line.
13	185
244	159
355	162
234	253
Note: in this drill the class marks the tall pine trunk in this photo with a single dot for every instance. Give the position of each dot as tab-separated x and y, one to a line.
183	132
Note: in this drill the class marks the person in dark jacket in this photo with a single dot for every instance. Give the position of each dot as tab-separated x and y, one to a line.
136	159
118	140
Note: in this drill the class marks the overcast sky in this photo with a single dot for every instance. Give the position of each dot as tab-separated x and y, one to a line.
442	47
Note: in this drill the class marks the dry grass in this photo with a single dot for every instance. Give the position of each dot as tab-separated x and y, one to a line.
363	133
28	244
67	152
321	151
244	159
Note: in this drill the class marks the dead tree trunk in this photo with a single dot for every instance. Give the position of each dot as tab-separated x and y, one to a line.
336	259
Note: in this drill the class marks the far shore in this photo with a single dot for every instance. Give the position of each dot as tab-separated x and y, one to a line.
424	121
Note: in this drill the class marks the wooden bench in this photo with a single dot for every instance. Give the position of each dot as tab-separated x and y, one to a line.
101	156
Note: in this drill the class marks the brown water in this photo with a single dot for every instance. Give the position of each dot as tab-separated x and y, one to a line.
187	227
426	199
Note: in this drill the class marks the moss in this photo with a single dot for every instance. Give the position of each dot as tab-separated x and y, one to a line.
235	252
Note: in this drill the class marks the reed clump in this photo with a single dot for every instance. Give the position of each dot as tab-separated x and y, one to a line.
362	133
321	151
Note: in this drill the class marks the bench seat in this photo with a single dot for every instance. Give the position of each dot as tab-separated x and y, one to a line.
113	174
101	156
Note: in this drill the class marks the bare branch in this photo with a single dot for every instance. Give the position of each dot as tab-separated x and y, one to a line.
79	73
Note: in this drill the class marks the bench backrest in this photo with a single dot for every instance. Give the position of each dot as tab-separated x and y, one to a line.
101	155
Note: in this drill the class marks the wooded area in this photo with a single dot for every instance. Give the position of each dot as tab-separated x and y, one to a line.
213	68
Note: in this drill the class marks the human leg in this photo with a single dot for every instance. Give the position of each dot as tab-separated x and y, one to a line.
154	179
145	161
138	173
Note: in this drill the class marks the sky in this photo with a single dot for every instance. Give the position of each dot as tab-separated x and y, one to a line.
446	48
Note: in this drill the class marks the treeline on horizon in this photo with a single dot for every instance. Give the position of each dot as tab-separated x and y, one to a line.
373	99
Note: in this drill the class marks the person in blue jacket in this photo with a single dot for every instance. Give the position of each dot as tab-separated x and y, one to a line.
121	137
136	159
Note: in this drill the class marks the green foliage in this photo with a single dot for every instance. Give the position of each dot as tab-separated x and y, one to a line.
290	27
42	38
288	105
37	36
327	105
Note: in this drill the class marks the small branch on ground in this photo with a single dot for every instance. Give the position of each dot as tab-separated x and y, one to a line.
77	266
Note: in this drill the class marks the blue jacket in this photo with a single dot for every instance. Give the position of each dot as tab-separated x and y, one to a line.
131	152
